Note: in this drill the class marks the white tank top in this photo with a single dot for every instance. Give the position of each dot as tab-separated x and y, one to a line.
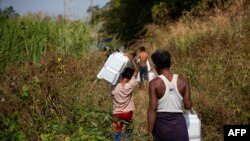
171	101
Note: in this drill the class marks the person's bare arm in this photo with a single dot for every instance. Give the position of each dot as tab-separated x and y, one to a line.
152	106
134	65
187	96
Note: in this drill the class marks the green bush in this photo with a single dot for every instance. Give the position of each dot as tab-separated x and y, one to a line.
10	128
160	13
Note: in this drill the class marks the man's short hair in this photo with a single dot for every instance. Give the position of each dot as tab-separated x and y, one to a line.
142	48
161	59
128	73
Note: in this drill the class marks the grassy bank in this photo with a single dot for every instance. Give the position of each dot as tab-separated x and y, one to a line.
214	54
25	39
57	97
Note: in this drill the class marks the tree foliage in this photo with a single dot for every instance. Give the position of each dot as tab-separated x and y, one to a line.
8	12
126	18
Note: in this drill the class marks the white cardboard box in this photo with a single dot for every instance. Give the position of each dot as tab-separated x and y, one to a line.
113	67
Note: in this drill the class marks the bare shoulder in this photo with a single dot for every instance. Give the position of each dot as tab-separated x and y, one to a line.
157	87
155	81
182	81
182	78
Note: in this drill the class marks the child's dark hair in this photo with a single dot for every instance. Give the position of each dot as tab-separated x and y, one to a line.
128	73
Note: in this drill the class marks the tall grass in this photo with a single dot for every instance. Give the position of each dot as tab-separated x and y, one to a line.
214	55
61	99
25	39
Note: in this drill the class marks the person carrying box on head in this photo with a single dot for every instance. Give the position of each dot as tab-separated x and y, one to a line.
123	103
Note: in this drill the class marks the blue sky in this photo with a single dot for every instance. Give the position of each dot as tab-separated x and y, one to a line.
75	9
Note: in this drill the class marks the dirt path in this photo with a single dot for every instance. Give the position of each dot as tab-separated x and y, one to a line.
140	114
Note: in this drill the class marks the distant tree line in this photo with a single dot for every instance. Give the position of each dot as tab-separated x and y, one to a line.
8	12
126	18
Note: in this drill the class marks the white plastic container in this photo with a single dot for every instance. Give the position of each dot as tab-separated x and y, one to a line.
112	68
151	75
193	124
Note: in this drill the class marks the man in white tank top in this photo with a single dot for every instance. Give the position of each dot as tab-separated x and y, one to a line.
169	94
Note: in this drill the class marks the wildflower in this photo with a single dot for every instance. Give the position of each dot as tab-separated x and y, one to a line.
59	59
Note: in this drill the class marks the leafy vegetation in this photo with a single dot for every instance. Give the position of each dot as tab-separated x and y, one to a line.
49	90
8	12
125	19
55	100
25	39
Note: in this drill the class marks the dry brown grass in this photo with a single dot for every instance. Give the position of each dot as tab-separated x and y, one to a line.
140	116
214	53
45	92
189	27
